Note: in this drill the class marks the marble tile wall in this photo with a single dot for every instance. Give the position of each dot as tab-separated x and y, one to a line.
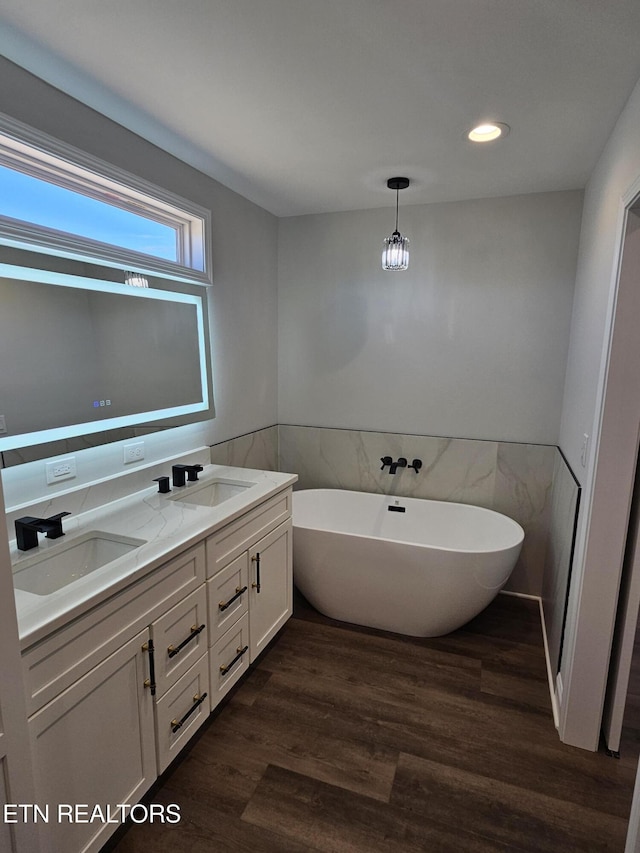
530	483
512	478
565	498
257	449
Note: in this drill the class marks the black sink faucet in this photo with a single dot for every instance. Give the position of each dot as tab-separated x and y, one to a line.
28	527
178	472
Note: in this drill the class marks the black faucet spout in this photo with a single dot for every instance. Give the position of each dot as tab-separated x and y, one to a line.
178	473
401	463
28	527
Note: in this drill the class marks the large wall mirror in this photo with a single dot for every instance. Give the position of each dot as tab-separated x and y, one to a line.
86	360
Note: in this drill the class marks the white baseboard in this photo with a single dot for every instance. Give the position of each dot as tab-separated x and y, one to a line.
519	595
555	701
550	674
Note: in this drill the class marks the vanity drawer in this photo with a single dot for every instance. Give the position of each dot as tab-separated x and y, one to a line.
181	712
229	659
228	542
228	594
54	663
179	639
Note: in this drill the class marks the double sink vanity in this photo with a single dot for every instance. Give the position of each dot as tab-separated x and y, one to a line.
136	623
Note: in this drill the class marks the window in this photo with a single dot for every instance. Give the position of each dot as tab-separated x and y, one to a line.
59	200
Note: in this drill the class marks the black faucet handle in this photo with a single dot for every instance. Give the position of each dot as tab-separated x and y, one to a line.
416	465
386	460
163	484
193	471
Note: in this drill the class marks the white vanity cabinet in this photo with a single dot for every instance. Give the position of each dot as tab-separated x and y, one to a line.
98	729
250	589
114	694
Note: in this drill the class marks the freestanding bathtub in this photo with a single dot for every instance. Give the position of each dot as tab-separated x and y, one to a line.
416	567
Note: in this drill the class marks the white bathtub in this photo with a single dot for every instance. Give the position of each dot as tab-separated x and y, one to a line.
422	572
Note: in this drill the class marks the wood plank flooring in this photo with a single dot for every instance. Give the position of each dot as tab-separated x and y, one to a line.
357	741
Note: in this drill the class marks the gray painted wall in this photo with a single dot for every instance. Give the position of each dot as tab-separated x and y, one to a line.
244	294
470	342
594	587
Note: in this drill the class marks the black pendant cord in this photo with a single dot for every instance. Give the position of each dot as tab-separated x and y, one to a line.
397	184
397	194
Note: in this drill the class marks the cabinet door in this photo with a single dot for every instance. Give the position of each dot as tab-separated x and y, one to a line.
94	746
271	574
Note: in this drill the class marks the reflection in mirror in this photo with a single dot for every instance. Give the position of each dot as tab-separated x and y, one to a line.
85	356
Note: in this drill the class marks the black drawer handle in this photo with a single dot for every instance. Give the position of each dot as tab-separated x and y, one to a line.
224	604
256	560
197	701
195	630
225	669
151	681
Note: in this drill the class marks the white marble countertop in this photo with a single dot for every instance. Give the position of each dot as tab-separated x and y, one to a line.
167	526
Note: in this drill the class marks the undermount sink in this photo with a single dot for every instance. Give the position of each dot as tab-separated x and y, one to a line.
211	493
65	563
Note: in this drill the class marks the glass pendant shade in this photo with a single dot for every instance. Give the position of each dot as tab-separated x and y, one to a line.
395	255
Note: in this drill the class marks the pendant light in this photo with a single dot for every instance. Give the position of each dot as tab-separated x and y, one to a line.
395	255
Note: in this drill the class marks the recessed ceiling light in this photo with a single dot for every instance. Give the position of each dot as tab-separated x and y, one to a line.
488	131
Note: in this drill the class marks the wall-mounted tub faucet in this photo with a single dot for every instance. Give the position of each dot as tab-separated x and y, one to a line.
401	463
178	472
28	527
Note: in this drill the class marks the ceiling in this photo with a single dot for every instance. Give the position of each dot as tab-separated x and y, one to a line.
308	106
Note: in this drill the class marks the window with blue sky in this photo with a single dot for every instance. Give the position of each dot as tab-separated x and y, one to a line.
46	204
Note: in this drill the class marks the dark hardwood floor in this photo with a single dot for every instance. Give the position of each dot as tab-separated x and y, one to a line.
348	739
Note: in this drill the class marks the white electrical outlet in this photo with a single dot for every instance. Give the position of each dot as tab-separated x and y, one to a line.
134	452
61	469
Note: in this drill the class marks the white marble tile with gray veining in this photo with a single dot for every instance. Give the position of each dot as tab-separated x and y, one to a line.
87	498
452	469
523	487
564	500
164	524
257	449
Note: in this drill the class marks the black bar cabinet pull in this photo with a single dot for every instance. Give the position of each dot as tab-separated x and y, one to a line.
225	669
224	604
151	681
256	560
197	701
195	630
